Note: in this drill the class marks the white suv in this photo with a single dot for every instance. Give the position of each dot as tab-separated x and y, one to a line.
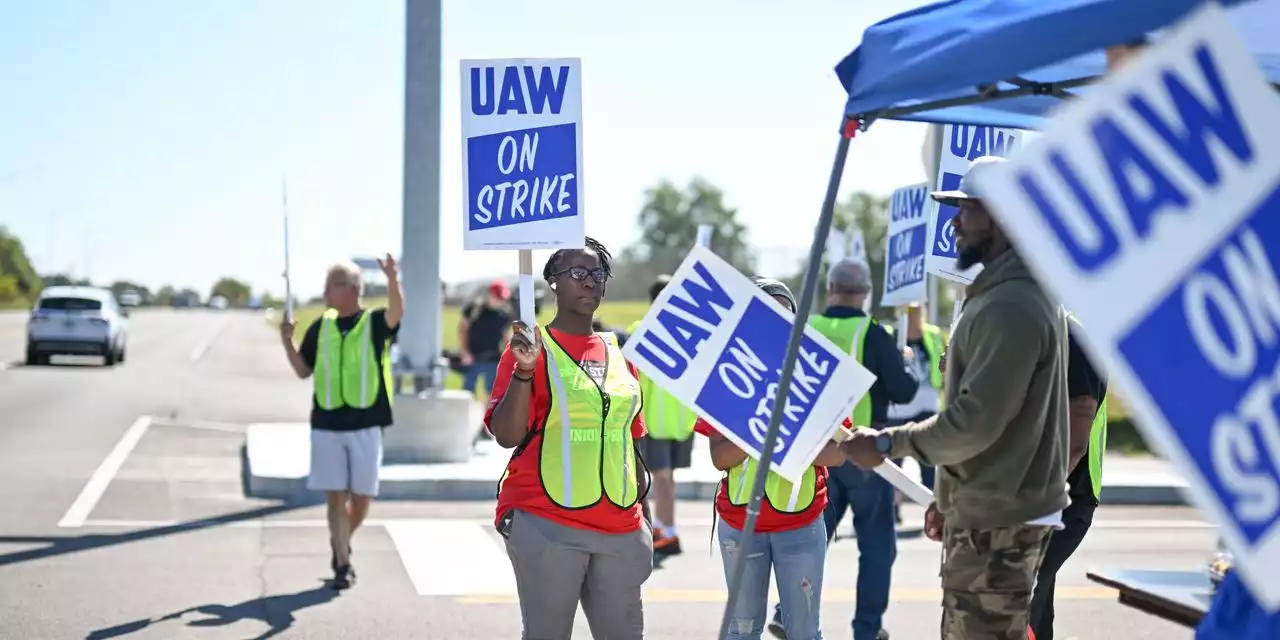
84	321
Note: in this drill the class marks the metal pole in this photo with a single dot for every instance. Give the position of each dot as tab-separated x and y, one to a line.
807	291
932	152
288	282
420	253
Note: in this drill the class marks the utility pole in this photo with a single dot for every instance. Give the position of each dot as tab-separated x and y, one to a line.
420	254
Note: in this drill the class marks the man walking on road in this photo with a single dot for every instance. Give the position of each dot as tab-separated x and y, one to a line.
347	350
1000	444
868	495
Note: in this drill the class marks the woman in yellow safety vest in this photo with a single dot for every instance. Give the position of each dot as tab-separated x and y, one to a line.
790	537
570	504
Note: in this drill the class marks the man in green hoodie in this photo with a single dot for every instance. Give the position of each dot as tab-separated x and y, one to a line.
1001	443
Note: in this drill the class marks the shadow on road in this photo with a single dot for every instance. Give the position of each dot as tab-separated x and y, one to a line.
274	611
57	545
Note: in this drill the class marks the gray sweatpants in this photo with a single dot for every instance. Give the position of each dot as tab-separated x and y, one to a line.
557	566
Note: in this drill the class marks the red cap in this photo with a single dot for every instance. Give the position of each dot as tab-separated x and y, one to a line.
500	290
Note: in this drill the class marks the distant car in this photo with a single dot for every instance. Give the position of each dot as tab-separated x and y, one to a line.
218	302
130	299
82	321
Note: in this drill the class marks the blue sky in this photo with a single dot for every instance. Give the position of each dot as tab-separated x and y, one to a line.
146	139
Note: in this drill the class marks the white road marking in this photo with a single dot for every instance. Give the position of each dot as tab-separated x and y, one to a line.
473	564
1152	524
280	523
98	482
270	524
204	425
203	347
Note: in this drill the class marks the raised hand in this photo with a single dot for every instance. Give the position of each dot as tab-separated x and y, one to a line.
525	350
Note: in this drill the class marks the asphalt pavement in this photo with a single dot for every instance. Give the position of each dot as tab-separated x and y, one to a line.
125	518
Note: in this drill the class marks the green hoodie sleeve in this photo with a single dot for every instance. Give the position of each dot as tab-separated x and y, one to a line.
1002	346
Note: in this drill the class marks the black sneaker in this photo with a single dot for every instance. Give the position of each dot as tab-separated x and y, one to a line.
333	559
775	625
344	577
883	635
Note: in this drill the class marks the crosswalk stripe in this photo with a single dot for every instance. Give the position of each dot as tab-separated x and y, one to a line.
704	596
452	557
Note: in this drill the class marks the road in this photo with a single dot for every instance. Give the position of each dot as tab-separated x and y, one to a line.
125	518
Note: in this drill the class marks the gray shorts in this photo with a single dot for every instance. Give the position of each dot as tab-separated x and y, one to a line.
557	567
346	460
666	454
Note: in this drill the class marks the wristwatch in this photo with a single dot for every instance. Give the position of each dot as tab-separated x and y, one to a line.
884	444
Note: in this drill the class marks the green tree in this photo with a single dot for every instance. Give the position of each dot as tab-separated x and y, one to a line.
236	292
164	296
669	221
21	282
120	286
870	215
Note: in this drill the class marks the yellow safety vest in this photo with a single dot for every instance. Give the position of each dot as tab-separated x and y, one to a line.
347	368
587	453
785	496
665	417
934	344
850	335
1097	436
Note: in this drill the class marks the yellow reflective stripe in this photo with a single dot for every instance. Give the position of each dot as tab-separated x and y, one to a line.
626	464
566	426
326	338
366	337
795	495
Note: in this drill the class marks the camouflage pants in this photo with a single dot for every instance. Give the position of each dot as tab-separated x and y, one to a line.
988	576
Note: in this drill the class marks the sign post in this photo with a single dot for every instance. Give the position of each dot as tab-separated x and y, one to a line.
288	283
522	155
904	253
1151	208
705	231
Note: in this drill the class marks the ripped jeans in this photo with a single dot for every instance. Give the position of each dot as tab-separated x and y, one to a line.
797	558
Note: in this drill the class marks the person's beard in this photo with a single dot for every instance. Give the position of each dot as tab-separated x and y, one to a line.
969	256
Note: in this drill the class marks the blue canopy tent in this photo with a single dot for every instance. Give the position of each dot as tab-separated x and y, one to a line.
1009	62
1001	63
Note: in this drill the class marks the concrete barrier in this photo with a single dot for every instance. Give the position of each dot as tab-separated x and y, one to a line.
432	427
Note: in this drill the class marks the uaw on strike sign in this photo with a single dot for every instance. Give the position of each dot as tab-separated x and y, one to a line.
717	342
904	258
522	154
1152	208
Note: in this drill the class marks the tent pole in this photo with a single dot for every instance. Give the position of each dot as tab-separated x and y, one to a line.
807	293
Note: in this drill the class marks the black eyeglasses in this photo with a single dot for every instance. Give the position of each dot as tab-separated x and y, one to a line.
580	274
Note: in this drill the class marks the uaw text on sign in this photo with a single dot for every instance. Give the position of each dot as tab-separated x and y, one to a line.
717	343
522	153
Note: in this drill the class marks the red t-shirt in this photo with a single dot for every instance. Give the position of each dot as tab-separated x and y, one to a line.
770	520
522	489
